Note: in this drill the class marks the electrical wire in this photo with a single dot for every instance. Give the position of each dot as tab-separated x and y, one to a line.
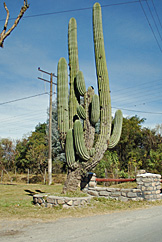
150	26
76	10
156	13
138	90
20	118
139	85
140	94
154	20
136	111
21	115
24	98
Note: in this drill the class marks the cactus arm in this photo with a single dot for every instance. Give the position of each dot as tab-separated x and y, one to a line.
62	99
103	89
79	141
81	112
69	149
102	73
95	109
73	67
114	139
80	83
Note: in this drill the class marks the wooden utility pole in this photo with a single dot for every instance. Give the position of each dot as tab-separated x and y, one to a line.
50	136
50	125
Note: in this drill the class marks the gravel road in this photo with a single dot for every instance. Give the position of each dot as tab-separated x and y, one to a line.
128	226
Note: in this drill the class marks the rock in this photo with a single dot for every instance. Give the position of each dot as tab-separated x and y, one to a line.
132	194
93	193
104	193
70	203
60	201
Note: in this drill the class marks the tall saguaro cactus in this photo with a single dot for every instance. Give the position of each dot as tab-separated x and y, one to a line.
77	137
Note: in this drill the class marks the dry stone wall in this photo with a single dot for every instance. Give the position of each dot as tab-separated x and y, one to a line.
45	200
116	193
148	188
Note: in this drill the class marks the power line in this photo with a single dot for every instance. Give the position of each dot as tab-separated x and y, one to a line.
75	10
150	25
21	115
24	98
156	13
136	111
145	83
21	119
139	94
154	20
145	91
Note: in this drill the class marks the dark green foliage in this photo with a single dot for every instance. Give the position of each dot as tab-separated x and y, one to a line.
138	147
109	165
31	152
130	144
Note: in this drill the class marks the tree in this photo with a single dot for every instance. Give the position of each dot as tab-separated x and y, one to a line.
7	154
20	155
130	146
58	155
31	152
4	34
36	154
108	165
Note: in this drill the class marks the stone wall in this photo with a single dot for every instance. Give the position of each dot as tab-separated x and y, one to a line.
45	200
116	193
148	188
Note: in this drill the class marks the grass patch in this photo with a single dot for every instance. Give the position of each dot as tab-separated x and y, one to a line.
125	185
16	203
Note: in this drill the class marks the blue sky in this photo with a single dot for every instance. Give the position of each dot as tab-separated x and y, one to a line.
133	53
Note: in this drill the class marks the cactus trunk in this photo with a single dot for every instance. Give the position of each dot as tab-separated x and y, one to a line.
73	180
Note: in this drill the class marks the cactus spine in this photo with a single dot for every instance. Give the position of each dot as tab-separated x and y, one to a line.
81	153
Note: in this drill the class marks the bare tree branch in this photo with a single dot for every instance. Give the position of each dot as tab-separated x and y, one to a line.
4	34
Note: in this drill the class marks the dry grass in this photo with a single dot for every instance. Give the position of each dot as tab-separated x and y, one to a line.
17	178
16	203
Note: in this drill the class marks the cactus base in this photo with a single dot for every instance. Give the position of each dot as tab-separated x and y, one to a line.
73	180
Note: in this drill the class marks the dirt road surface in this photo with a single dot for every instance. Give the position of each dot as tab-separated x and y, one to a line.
128	226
